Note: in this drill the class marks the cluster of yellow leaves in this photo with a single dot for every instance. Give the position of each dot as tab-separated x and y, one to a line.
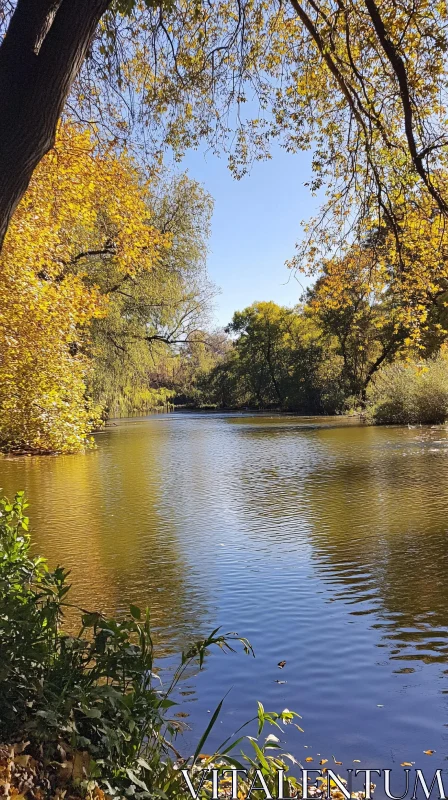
401	275
23	777
80	204
418	261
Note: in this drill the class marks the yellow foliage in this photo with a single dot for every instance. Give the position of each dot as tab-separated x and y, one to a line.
79	202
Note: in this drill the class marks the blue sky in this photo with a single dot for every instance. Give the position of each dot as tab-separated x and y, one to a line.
255	226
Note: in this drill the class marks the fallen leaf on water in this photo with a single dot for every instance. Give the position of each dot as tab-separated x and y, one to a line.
337	762
181	714
323	761
429	752
309	758
406	764
281	664
356	761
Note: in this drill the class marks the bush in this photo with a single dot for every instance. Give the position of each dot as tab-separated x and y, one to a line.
410	393
93	703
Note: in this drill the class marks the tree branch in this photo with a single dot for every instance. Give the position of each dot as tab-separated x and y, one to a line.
399	69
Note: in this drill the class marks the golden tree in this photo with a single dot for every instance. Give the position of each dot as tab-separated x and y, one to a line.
362	83
79	204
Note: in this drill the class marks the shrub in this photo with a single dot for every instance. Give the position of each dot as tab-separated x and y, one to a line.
93	704
412	393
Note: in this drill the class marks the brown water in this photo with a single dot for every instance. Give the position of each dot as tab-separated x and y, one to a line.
324	542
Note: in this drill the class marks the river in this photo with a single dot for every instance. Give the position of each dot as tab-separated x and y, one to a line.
324	541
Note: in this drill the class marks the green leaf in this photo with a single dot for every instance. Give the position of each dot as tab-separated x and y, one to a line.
136	780
259	753
210	725
93	713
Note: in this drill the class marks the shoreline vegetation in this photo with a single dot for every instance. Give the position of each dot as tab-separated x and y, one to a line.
270	359
92	714
115	308
92	707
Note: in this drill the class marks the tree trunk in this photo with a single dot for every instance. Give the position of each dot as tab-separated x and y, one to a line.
40	56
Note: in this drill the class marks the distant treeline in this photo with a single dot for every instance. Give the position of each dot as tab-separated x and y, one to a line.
310	361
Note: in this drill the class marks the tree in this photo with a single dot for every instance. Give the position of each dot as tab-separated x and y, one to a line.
78	205
358	315
276	360
380	297
155	318
45	44
279	352
364	85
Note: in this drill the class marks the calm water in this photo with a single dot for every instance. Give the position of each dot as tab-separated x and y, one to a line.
325	543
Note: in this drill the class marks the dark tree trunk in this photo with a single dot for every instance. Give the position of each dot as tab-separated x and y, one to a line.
40	56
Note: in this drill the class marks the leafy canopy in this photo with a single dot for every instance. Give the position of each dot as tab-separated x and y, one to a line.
79	204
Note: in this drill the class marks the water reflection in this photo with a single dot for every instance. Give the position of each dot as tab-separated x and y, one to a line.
379	534
324	542
104	516
371	505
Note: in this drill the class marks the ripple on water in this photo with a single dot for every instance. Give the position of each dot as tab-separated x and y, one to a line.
323	542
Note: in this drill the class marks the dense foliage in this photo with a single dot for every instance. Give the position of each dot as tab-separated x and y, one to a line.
152	315
330	355
277	359
411	393
102	273
363	85
78	205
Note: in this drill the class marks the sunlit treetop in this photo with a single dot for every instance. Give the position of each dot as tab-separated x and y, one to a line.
335	74
360	84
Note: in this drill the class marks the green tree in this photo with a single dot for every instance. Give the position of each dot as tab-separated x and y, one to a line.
278	351
277	360
152	316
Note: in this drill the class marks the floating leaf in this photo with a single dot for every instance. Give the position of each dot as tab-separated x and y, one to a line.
429	752
406	764
309	758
